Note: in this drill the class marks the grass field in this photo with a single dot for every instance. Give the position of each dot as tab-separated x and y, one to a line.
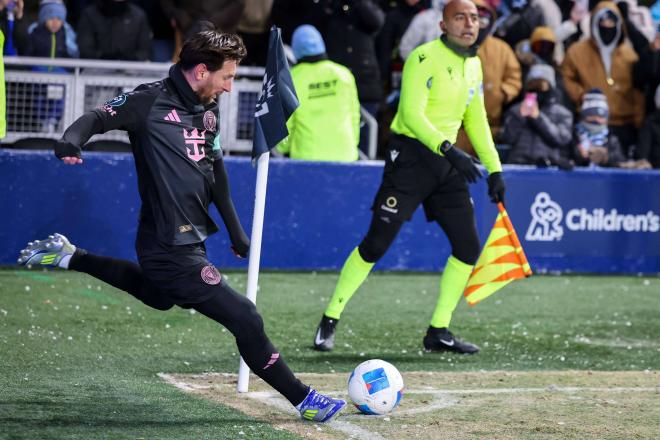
79	359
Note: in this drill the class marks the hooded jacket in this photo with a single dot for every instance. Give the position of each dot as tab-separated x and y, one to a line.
544	138
591	64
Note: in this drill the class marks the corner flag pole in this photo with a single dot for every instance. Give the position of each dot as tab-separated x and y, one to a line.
255	252
276	104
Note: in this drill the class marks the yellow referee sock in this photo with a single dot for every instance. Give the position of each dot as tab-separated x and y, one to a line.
352	276
453	282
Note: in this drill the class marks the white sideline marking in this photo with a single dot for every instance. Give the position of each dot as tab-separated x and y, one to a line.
442	399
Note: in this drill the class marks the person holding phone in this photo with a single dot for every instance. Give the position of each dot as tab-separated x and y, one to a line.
539	129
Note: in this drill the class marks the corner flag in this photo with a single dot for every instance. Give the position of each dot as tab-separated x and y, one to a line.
501	261
278	99
275	105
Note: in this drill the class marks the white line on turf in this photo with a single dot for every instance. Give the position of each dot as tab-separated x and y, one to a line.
442	399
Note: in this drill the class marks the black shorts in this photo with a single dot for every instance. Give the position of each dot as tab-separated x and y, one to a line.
180	274
414	174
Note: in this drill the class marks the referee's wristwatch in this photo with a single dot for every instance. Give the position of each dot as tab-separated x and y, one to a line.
445	146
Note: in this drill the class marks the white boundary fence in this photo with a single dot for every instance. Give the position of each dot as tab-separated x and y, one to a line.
41	104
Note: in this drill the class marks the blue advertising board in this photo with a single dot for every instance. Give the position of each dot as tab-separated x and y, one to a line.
584	221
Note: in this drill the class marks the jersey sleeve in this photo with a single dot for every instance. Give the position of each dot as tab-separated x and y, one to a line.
415	88
476	126
124	112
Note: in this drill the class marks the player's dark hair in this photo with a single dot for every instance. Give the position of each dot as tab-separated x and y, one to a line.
211	48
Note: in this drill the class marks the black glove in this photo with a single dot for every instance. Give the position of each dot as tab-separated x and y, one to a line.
496	187
463	162
66	149
241	247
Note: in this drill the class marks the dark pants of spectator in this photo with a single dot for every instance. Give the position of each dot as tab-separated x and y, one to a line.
627	135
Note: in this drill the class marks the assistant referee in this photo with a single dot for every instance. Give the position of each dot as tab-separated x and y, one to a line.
441	90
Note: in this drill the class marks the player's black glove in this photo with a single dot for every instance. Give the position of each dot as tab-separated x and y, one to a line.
67	149
496	187
463	162
241	247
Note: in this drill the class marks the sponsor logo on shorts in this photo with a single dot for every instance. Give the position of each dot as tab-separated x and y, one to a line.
210	275
210	121
390	205
185	228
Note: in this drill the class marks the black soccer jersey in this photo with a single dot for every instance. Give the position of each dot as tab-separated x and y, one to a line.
173	136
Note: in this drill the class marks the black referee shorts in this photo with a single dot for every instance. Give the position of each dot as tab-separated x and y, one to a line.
414	174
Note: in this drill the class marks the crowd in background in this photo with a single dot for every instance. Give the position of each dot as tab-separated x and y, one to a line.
566	82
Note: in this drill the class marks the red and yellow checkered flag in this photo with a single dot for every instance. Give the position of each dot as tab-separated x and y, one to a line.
501	261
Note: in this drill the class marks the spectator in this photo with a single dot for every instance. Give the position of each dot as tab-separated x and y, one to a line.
3	103
397	21
637	16
351	29
162	43
605	61
254	29
224	14
423	28
562	29
13	26
539	128
52	36
326	126
350	39
646	72
594	144
289	14
502	79
542	46
649	136
517	19
114	30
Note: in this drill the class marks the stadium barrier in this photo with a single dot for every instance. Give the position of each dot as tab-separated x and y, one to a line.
45	95
585	221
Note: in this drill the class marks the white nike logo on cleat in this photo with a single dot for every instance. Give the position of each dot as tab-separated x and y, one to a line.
318	340
449	343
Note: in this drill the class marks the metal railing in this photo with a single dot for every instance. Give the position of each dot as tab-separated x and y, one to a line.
45	95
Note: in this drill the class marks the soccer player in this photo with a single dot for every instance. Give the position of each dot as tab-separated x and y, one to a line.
441	89
173	129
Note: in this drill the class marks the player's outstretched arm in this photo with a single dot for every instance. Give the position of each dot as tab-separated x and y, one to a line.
68	148
225	205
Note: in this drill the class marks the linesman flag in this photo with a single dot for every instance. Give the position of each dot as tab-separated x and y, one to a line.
501	261
278	99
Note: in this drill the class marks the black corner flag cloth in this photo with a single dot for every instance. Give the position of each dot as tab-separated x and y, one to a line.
277	101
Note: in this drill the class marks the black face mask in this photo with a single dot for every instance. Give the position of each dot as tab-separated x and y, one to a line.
544	50
607	35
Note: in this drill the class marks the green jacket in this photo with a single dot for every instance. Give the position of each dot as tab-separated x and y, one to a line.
441	90
326	125
3	107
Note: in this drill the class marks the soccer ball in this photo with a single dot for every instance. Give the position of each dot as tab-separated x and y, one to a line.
375	387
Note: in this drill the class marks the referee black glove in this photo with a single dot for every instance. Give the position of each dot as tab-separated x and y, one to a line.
496	187
463	162
67	149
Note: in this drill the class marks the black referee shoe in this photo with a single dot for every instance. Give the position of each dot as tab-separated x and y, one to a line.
325	334
441	339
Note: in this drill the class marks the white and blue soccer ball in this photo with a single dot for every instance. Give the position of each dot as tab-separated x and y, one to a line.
375	387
